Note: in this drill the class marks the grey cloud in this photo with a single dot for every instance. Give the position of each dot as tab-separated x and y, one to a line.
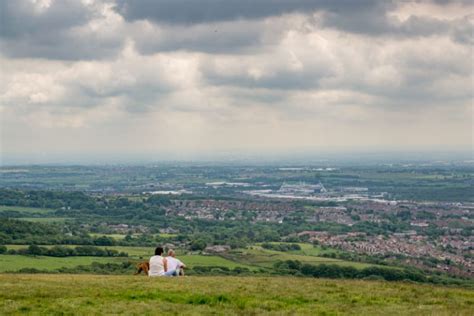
281	80
64	41
210	38
367	17
209	11
52	32
21	18
62	45
362	16
234	26
378	24
463	31
415	75
138	98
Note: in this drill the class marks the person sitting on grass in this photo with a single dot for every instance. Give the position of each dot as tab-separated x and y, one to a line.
175	266
158	264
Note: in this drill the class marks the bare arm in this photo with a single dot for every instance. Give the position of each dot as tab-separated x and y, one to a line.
181	264
165	264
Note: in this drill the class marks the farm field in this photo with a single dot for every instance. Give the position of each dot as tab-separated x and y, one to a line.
266	258
122	236
113	236
252	258
17	262
200	260
44	219
307	249
12	263
26	210
135	295
33	214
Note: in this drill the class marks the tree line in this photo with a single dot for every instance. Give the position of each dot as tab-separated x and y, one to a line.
61	251
332	271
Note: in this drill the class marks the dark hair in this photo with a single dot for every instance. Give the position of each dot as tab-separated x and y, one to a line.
158	251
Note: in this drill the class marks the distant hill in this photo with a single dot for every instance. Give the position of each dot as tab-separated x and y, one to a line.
140	295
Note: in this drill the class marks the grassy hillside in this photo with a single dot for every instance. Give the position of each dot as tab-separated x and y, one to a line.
87	295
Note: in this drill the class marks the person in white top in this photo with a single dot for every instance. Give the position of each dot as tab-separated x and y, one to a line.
158	263
175	266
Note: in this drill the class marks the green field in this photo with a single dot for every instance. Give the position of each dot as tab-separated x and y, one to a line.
26	210
252	258
200	260
122	236
266	258
33	214
17	262
310	250
307	249
11	263
138	295
113	236
44	219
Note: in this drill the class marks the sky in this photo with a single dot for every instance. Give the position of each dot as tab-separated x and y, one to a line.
170	79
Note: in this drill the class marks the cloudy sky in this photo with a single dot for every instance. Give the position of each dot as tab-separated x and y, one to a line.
177	78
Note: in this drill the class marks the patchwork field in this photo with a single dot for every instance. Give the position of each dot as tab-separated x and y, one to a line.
33	214
136	295
252	258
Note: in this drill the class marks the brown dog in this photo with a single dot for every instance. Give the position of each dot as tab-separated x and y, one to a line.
143	267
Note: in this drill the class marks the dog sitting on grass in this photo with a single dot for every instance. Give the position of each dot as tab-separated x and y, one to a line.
143	267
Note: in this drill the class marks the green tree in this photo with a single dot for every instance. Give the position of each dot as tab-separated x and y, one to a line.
35	250
198	244
104	241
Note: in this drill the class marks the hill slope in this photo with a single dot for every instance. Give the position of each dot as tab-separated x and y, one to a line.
87	294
